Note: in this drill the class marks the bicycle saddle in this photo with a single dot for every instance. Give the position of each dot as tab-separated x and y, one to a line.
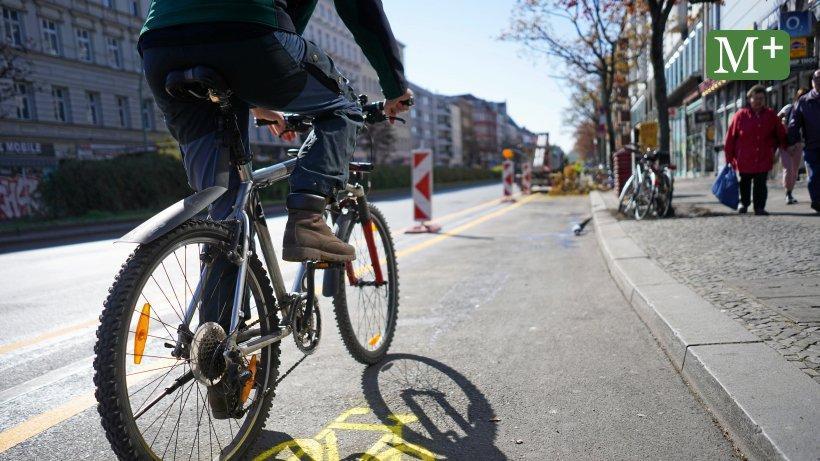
194	83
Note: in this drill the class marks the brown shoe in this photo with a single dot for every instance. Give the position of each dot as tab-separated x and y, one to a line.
307	236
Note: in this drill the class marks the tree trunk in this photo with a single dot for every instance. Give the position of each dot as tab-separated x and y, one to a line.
606	103
656	56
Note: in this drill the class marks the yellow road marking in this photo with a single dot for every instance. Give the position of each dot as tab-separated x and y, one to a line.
445	235
37	424
450	216
5	348
391	446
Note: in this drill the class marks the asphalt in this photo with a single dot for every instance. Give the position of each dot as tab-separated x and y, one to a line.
513	342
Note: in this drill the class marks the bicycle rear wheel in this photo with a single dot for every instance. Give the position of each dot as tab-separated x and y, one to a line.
366	304
663	197
135	367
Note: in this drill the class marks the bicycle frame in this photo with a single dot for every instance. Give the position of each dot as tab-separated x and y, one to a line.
250	221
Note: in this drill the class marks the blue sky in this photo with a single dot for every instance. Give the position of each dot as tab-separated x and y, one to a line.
452	48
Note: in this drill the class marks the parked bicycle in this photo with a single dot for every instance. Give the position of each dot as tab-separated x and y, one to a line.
650	188
172	383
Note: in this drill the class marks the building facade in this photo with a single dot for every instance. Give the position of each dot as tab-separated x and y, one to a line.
700	109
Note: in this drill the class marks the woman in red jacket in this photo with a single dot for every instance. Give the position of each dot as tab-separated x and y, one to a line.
754	134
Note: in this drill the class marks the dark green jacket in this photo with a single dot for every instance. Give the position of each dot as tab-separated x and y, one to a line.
364	18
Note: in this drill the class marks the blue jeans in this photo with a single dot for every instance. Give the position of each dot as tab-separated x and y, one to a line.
278	70
812	158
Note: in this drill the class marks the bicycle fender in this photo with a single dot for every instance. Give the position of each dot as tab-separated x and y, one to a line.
171	217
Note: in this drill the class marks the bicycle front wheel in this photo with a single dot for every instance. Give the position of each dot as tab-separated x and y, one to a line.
644	198
157	404
367	300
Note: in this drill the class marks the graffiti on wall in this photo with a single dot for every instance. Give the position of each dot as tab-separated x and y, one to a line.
18	195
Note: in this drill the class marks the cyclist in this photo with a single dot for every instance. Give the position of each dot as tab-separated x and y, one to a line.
256	46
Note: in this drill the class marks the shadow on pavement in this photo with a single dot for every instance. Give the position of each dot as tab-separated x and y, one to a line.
468	237
454	416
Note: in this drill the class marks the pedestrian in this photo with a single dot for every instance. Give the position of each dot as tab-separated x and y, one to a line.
791	156
753	135
805	120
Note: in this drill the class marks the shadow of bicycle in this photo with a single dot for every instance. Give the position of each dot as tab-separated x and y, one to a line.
454	417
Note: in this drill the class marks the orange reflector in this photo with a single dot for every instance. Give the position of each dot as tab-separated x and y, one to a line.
246	390
375	340
141	335
373	226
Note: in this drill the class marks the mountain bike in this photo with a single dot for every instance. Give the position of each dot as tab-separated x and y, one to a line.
187	352
650	187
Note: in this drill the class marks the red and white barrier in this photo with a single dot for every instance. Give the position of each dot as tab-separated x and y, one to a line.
526	178
423	192
507	179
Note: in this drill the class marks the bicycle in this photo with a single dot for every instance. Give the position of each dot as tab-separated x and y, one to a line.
159	356
650	187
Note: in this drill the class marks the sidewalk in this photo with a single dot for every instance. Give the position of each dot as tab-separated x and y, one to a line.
763	271
733	301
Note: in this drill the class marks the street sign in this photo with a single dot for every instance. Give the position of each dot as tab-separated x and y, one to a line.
799	47
796	23
648	135
540	150
422	185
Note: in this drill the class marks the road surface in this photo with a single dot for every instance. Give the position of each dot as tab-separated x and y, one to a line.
512	343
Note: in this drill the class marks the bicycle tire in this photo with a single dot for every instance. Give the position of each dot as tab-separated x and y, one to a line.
112	391
341	306
627	196
663	199
644	198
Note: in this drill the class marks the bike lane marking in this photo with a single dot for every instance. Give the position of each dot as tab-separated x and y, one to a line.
35	425
390	446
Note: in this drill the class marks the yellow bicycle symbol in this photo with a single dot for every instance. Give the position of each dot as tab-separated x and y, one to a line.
324	446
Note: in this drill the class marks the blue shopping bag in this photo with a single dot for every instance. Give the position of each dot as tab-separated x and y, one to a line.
726	188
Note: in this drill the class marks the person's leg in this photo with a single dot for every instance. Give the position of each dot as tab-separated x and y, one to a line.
314	87
761	192
745	186
812	158
787	159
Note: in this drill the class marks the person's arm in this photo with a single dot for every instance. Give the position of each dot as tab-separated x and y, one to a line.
367	22
780	132
300	13
729	142
795	123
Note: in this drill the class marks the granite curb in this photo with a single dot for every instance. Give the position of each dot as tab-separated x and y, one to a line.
770	409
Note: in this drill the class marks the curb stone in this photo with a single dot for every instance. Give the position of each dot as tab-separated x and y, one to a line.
770	409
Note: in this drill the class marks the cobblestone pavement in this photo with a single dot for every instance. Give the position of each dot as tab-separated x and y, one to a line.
730	260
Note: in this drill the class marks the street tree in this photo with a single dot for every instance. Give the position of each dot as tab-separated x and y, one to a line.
586	35
659	15
15	67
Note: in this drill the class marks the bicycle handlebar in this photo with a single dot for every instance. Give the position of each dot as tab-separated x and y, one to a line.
373	113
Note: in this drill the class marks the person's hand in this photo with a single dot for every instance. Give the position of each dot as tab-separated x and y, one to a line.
278	119
393	107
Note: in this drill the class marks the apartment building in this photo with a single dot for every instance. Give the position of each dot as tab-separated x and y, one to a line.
700	109
79	91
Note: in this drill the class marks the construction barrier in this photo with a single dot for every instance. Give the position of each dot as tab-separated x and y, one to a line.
423	192
526	178
507	179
